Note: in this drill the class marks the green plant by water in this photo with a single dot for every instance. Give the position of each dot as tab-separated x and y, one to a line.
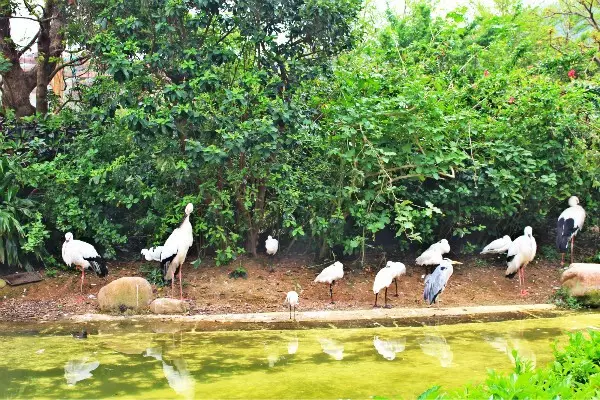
563	299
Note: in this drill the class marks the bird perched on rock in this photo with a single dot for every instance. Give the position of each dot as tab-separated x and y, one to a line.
568	225
433	255
175	250
84	256
520	253
436	282
291	299
498	246
331	274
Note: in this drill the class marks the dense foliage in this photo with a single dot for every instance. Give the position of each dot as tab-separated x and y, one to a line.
302	120
575	373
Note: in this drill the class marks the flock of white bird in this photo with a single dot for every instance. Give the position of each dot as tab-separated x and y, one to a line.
520	252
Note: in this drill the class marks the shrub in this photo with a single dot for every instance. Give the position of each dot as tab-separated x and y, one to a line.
239	272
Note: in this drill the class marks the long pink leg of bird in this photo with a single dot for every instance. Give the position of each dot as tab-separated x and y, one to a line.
180	284
82	276
173	285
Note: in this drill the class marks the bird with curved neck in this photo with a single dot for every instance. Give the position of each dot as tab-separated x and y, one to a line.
568	225
175	250
84	256
520	253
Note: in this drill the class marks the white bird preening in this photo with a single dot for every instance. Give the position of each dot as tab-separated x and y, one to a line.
272	245
383	279
153	253
436	282
433	255
569	224
498	246
331	274
84	256
175	250
398	269
520	253
291	299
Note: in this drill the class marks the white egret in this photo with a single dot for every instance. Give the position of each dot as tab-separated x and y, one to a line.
84	256
383	279
498	246
291	299
331	274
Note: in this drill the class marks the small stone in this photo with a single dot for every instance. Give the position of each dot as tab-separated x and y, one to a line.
168	306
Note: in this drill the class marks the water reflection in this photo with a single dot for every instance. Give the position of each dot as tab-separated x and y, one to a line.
78	370
436	346
293	346
506	344
332	347
389	348
176	372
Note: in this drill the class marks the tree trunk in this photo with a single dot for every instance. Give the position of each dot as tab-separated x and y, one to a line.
16	87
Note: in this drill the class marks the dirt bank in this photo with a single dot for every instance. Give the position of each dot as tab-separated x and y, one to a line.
209	290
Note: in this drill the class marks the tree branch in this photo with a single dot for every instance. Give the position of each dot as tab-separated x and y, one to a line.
78	61
28	45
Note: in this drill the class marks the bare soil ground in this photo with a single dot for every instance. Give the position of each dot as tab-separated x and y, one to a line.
209	289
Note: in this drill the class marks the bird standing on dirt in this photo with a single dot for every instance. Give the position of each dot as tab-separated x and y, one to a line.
292	300
398	269
433	255
175	250
436	282
331	274
383	279
84	256
520	253
568	225
272	245
498	246
153	253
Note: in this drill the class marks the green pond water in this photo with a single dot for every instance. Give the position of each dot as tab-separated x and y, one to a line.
153	361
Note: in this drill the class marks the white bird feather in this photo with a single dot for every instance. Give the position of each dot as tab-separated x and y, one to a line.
153	253
272	245
177	245
520	252
332	273
498	246
569	224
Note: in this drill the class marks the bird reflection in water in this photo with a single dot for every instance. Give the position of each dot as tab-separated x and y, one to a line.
333	348
78	370
293	346
176	372
506	344
436	346
389	348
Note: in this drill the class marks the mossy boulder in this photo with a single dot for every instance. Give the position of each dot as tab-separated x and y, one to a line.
128	293
168	306
583	282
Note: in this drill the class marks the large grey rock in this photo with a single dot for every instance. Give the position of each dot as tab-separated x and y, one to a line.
168	306
125	293
583	281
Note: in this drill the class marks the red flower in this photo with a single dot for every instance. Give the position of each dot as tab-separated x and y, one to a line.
486	72
511	100
571	74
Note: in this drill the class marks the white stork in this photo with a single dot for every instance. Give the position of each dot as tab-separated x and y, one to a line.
520	253
433	255
569	224
331	274
84	256
153	253
291	299
437	281
498	246
175	250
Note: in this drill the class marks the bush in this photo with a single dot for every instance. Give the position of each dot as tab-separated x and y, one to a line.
239	272
153	274
563	299
575	373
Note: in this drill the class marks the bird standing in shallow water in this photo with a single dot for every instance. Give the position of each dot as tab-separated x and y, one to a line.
520	253
436	282
568	225
331	274
175	250
292	300
84	256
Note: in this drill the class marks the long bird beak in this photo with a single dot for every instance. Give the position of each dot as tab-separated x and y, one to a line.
455	262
